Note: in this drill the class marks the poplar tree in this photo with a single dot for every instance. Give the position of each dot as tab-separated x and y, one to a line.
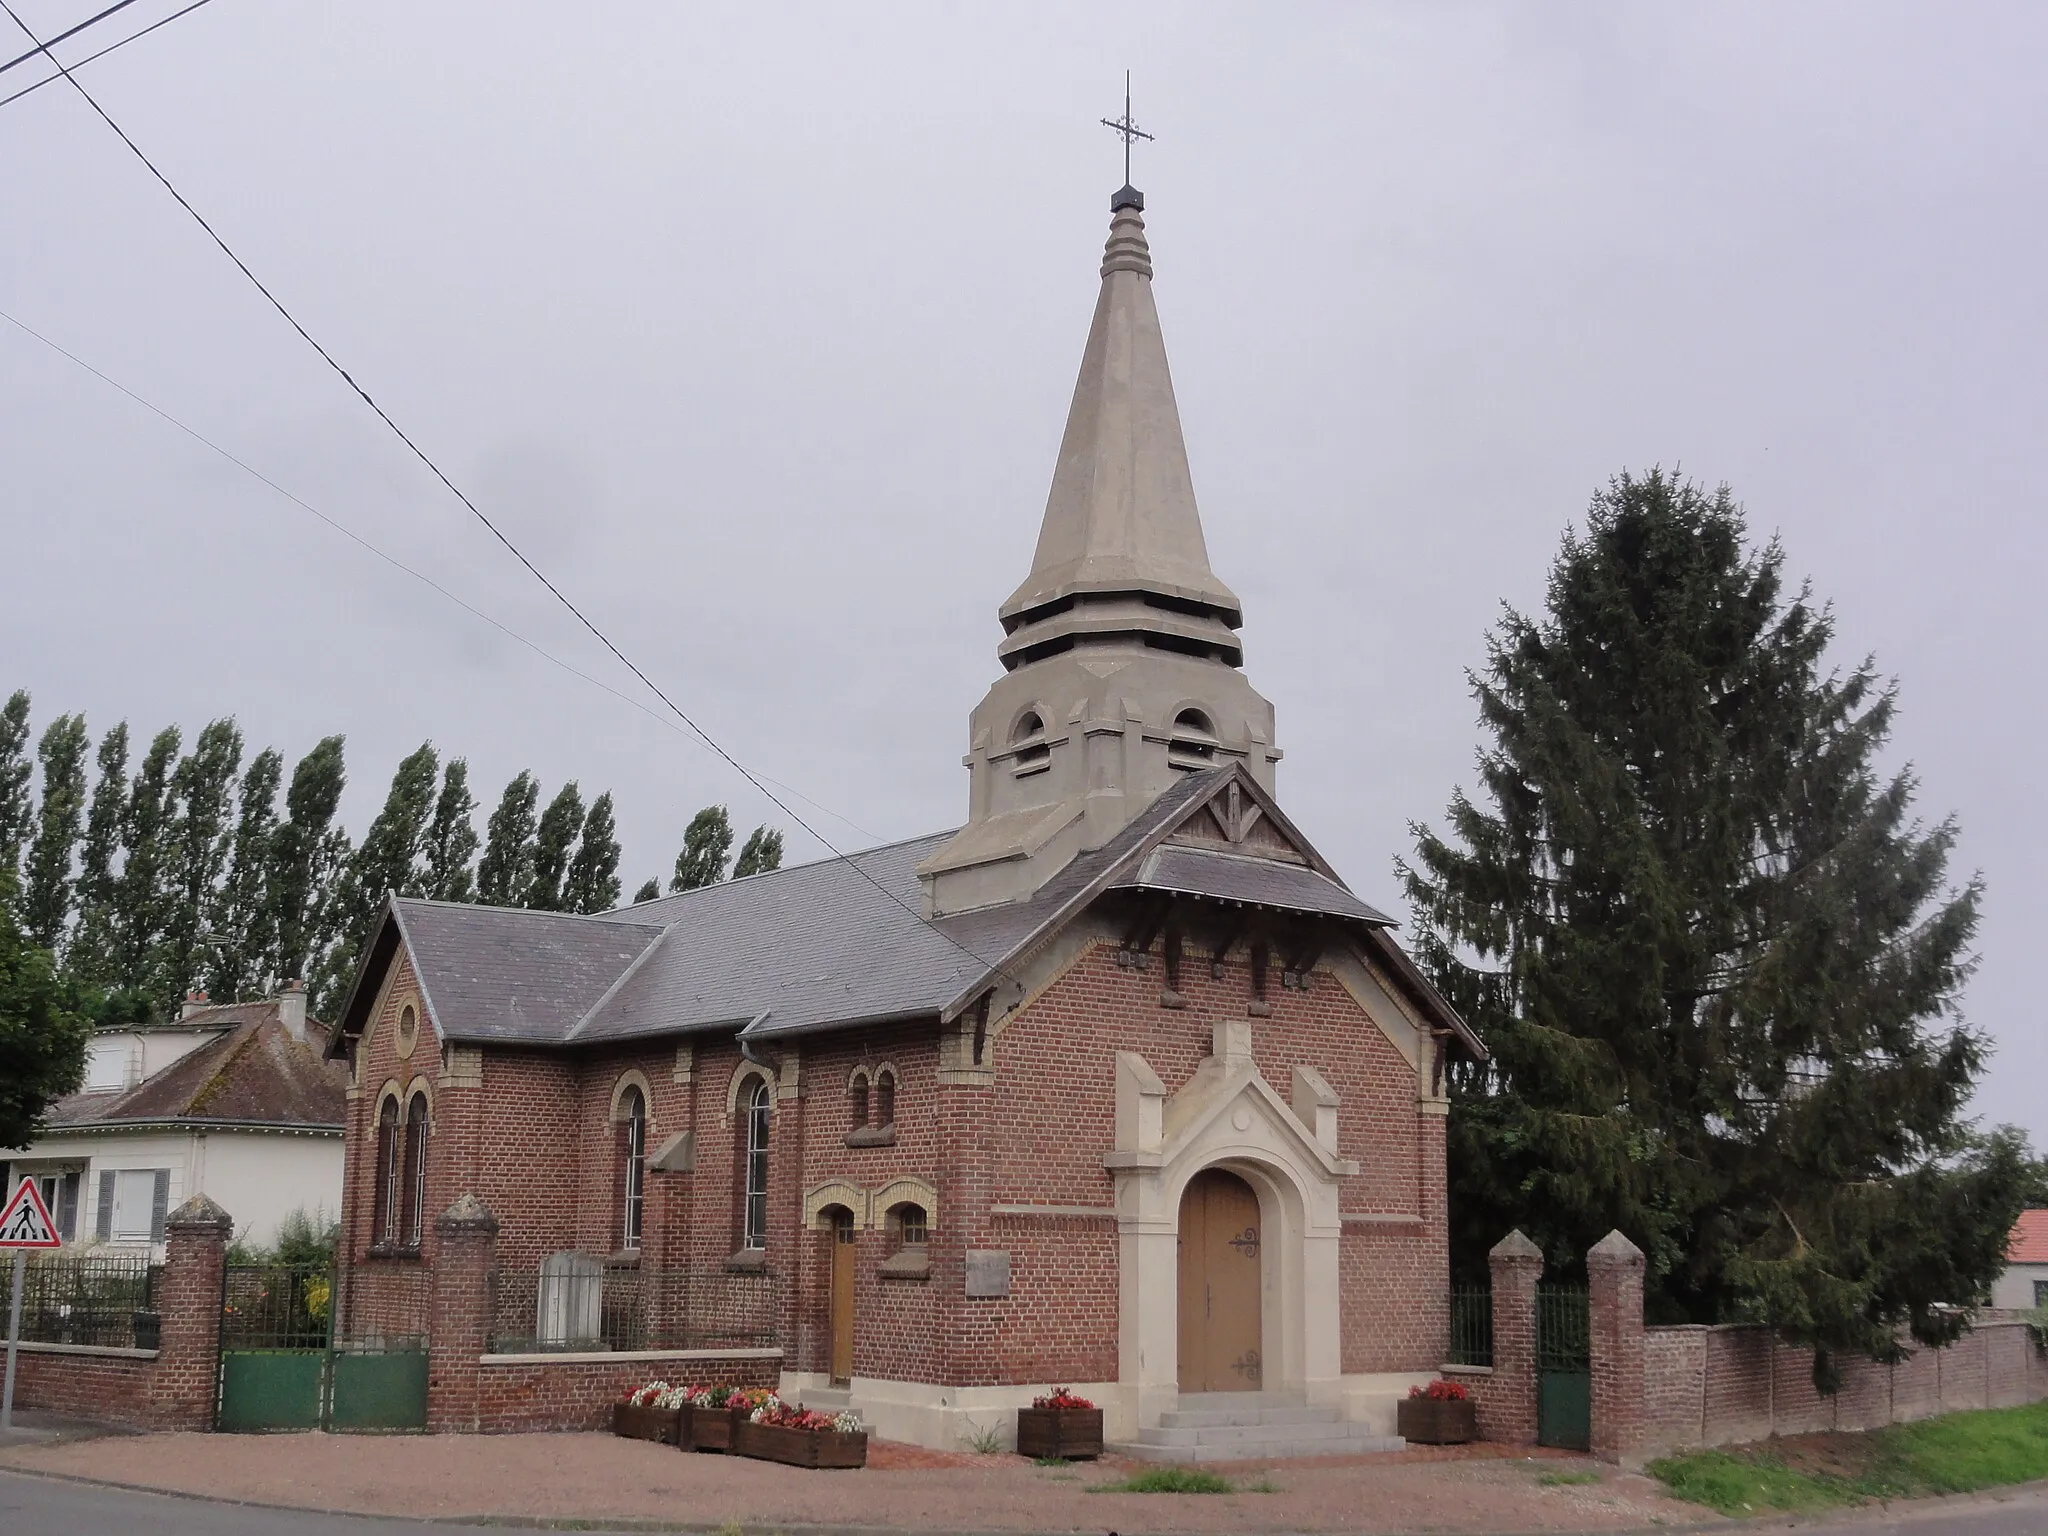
142	894
451	839
14	785
1714	957
204	788
391	859
243	919
43	1031
90	956
554	845
308	852
650	890
593	882
706	842
506	871
47	887
761	852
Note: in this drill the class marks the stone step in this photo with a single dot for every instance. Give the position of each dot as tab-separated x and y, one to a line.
1206	1417
825	1399
1264	1436
1141	1450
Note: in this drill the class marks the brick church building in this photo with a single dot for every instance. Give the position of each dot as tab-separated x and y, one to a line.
1117	1085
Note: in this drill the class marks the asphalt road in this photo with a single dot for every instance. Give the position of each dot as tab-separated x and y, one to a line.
38	1506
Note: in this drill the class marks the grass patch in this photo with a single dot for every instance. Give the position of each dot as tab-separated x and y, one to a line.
1956	1453
1169	1480
1569	1479
1048	1461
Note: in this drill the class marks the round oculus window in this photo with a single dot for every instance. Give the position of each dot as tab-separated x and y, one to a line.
408	1030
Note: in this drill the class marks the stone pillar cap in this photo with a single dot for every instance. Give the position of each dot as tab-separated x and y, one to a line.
467	1214
1516	1247
1614	1248
199	1214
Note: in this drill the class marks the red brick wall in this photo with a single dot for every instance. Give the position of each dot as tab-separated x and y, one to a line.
525	1395
113	1389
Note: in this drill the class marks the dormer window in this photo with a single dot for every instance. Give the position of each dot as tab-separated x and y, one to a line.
1029	753
1193	743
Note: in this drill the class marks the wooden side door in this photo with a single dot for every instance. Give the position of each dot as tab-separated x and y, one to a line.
1220	1285
843	1252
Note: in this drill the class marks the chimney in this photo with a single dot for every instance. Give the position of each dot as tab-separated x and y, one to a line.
291	1009
194	1002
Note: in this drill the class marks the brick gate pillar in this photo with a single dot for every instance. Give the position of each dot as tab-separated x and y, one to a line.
1614	1302
183	1387
459	1319
1507	1407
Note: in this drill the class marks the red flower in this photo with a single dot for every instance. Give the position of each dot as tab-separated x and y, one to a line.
1060	1397
1442	1391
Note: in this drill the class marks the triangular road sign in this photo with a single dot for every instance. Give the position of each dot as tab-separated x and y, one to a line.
26	1221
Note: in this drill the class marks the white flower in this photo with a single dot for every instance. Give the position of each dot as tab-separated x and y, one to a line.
847	1422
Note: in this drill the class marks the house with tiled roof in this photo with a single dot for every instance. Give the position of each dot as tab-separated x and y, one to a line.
234	1101
2024	1284
1117	1085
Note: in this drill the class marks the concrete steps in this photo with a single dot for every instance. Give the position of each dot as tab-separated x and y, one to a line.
1252	1426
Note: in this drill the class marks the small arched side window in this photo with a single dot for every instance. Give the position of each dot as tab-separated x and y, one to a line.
885	1098
1193	742
384	1183
754	1214
414	1178
631	1134
1029	751
907	1225
857	1100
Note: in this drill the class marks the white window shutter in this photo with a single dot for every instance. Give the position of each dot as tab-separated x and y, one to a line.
103	1227
159	1205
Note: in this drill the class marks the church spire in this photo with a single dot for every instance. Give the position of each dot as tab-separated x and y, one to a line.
1120	553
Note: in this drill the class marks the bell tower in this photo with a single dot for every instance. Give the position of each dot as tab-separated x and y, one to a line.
1122	663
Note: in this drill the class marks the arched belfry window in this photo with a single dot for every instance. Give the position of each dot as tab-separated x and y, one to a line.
857	1100
1193	742
630	1132
1029	751
885	1098
414	1177
754	1209
385	1182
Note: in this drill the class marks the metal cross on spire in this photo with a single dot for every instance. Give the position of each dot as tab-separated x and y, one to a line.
1125	129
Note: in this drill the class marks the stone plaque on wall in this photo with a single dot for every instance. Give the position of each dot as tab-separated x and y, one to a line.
988	1272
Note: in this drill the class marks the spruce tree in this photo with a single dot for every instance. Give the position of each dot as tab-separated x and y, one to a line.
47	889
308	853
242	918
451	840
593	883
14	786
761	852
142	895
90	957
43	1030
706	842
204	788
1714	958
554	845
506	871
650	890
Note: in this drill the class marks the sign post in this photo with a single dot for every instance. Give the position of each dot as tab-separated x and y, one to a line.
24	1224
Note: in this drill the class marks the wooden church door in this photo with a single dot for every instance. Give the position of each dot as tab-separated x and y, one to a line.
843	1252
1219	1284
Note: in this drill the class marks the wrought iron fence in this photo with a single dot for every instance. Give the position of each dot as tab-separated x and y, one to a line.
1564	1334
275	1306
1471	1325
574	1302
107	1300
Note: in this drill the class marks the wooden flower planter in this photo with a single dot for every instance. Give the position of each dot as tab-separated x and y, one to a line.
662	1425
1074	1434
1437	1420
800	1447
709	1429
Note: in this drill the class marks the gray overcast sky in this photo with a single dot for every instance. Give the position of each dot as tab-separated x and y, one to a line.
757	325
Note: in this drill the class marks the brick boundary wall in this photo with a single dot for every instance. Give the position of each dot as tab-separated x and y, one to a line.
522	1393
109	1385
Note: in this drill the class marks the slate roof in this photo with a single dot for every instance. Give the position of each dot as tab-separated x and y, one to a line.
2029	1241
253	1074
811	947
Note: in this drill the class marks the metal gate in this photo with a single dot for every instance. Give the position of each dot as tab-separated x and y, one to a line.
282	1368
1564	1368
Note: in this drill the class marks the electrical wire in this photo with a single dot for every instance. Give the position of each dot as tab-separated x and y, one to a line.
131	37
397	564
23	58
477	512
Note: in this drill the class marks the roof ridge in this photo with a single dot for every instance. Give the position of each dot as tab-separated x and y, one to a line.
788	869
615	915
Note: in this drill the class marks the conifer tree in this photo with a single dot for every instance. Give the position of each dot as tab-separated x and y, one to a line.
308	852
43	1030
761	852
242	918
505	873
451	839
203	787
706	842
390	860
650	890
593	882
14	785
142	895
1715	959
91	955
554	845
47	886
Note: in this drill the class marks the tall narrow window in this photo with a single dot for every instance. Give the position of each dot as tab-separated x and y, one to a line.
414	1179
885	1098
860	1100
384	1218
756	1220
632	1135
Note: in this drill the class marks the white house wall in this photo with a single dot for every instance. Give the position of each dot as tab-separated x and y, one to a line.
2015	1288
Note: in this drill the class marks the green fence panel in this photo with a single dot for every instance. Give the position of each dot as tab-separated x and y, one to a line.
379	1391
1564	1368
270	1389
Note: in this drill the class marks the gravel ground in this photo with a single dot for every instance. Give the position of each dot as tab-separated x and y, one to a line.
599	1478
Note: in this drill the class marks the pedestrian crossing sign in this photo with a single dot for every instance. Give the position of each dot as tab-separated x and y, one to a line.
26	1221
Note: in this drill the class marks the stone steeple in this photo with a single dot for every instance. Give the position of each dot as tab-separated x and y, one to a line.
1120	651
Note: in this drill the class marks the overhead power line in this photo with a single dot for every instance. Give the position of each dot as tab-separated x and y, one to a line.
23	58
478	513
28	90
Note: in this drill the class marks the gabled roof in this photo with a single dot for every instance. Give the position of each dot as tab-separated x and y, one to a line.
2029	1241
822	946
254	1074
